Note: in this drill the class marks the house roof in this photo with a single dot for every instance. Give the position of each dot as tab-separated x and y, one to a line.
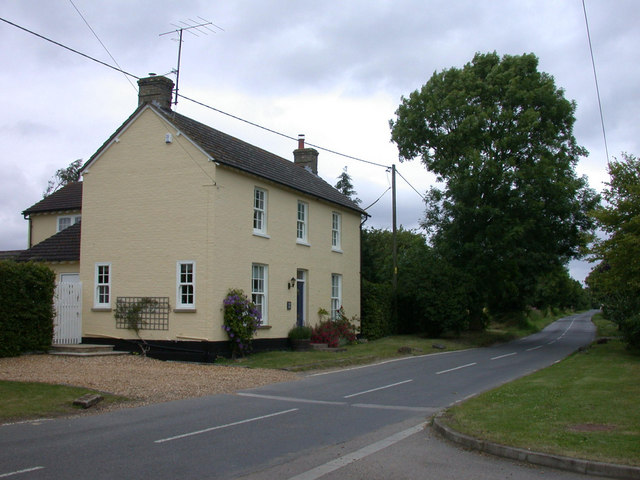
68	197
64	246
9	254
233	152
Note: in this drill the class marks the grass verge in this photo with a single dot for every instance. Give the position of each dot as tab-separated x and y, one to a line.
23	401
386	348
584	407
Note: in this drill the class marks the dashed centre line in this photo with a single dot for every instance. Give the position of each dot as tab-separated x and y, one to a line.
198	432
534	348
18	472
456	368
379	388
505	355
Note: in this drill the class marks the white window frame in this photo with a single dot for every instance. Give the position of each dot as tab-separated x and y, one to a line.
183	283
302	223
260	211
260	289
336	294
336	232
102	287
73	219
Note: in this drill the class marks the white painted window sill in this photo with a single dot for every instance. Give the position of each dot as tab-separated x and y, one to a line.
261	235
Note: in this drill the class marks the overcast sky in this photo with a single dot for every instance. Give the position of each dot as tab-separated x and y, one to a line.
334	70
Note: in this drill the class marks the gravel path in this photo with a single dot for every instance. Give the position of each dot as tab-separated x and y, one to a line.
144	380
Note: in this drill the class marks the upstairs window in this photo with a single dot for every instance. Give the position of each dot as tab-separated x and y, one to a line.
103	285
336	231
186	294
66	221
259	211
302	222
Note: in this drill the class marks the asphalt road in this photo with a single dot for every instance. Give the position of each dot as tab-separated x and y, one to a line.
331	425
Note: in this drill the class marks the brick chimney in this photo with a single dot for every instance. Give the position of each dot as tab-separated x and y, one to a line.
155	89
306	157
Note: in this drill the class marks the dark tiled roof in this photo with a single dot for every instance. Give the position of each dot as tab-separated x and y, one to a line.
9	254
68	197
64	246
230	151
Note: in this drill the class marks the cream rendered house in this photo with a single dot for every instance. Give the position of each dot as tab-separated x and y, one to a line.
178	211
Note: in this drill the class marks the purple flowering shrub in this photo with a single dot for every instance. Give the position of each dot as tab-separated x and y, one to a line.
241	320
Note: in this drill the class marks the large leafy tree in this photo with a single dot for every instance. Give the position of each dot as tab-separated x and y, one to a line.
616	279
510	208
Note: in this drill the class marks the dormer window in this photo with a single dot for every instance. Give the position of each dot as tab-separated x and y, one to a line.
66	221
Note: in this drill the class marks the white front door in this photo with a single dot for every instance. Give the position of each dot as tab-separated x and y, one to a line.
67	323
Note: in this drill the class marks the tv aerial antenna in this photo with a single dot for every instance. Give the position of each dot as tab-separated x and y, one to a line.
193	27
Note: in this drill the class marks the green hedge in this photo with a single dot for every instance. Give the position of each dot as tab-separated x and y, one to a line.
26	307
376	319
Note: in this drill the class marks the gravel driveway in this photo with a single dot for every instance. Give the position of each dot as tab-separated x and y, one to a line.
144	380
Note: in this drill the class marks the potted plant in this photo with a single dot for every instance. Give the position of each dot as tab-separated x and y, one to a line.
300	337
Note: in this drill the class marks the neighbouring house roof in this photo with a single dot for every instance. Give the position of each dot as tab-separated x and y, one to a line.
64	246
68	197
230	151
9	254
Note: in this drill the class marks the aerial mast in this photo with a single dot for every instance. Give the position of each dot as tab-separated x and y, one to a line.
192	28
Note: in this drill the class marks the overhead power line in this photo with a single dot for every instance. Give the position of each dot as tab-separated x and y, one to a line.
408	183
103	45
282	134
69	48
377	199
595	76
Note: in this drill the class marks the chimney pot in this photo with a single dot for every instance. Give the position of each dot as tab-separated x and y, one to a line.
301	140
155	89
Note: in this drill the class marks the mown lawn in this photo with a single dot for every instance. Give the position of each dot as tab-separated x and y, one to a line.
587	406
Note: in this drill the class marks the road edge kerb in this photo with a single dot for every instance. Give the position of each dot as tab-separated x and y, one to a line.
587	467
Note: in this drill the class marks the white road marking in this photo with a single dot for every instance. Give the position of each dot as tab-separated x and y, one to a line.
506	355
344	460
379	388
36	422
355	405
401	359
534	348
456	368
18	472
248	420
290	399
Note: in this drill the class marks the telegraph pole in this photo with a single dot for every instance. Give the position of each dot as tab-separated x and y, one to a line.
394	279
